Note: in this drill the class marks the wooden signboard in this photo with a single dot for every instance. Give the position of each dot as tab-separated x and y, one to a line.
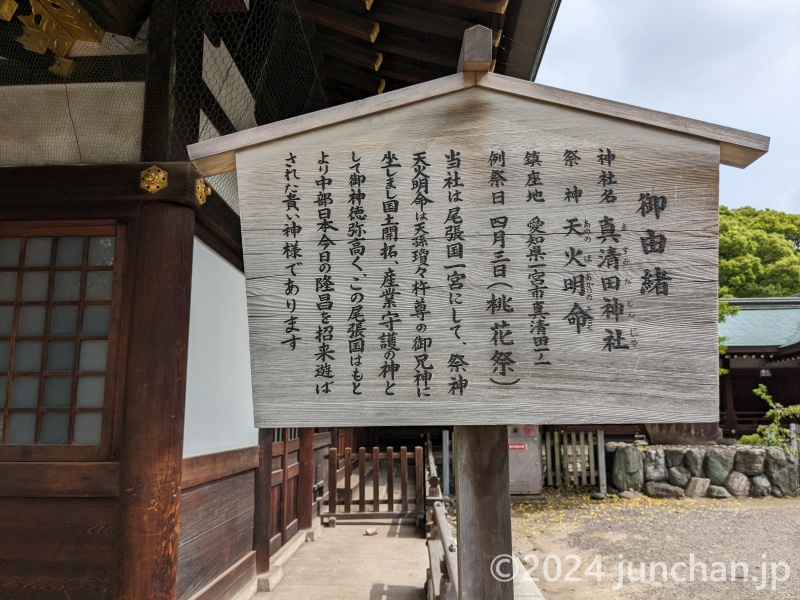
485	251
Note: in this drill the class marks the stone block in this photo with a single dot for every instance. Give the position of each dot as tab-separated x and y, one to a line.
738	484
760	486
627	471
674	457
782	472
655	466
693	460
679	476
661	489
750	461
717	491
697	487
719	464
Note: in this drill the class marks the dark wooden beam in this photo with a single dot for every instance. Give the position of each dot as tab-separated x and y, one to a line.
88	69
155	134
491	6
446	56
263	500
215	113
369	82
152	436
305	484
174	72
227	6
358	55
419	20
408	73
320	14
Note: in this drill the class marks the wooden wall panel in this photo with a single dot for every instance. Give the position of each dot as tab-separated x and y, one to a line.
57	548
216	530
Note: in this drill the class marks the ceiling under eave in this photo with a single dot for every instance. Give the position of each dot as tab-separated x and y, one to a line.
367	47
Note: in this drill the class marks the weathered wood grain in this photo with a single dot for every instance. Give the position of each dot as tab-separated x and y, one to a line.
669	374
210	467
216	530
57	547
61	480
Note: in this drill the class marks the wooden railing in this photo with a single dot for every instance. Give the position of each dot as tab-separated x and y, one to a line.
442	583
347	500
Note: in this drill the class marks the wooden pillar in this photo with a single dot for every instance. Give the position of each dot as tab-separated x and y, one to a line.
482	491
730	406
305	486
174	80
152	436
263	500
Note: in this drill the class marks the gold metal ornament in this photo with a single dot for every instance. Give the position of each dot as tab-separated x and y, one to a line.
201	190
154	179
62	67
56	25
7	9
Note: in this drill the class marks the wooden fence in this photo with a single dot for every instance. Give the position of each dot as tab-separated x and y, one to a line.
572	458
348	500
442	580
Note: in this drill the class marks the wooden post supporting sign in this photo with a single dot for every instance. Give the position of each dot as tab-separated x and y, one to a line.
485	569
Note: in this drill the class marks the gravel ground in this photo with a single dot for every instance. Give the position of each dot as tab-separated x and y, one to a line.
571	530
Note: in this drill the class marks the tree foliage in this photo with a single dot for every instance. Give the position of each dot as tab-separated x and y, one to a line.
775	433
759	253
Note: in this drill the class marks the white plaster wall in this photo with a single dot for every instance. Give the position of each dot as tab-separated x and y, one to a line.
74	123
219	403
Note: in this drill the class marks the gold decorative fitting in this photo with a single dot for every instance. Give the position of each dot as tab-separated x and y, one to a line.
62	67
154	179
34	40
7	9
57	25
201	190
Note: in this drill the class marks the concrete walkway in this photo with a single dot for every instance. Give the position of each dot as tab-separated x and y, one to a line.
345	564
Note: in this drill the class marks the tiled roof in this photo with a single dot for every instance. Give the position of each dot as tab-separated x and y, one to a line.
762	322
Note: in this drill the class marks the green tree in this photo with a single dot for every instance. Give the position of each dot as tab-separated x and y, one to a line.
759	253
775	433
724	310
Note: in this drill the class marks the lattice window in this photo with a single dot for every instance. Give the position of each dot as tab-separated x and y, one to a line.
57	309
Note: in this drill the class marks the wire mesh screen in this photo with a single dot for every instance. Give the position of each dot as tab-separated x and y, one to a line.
127	86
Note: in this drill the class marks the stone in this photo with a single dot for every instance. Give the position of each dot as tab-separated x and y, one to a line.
679	476
718	464
738	484
371	531
655	467
781	471
661	489
629	495
611	489
641	443
697	487
717	491
674	457
750	461
760	486
693	460
723	441
627	472
598	496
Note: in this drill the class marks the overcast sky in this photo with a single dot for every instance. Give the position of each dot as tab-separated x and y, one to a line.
729	62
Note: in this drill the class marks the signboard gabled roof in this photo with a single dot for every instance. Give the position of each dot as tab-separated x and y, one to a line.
737	148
